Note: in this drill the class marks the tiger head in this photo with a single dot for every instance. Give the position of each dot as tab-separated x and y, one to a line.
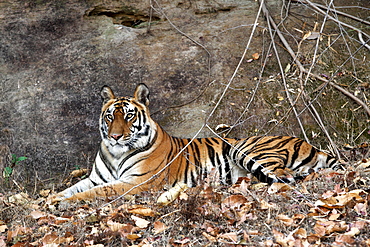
125	122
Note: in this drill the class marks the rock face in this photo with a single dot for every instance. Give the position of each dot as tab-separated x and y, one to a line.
56	55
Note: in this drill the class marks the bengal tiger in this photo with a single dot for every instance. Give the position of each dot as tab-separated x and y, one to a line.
136	154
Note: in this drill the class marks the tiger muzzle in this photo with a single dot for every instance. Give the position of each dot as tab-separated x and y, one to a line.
116	136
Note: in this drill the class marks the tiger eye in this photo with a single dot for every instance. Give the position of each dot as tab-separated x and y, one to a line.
129	115
109	117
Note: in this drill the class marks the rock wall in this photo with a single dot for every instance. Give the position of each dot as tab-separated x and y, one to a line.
56	55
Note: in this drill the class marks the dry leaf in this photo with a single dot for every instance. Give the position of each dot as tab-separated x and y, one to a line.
221	127
37	214
94	230
115	226
78	173
337	189
127	230
254	232
319	230
233	201
280	98
183	196
278	187
159	227
259	186
300	233
141	210
44	193
140	222
182	242
266	205
329	227
19	199
343	239
2	241
299	216
268	243
19	230
359	224
303	189
3	228
343	200
133	236
364	164
60	220
209	237
311	35
334	216
231	236
53	238
313	238
328	194
354	231
256	56
281	239
286	220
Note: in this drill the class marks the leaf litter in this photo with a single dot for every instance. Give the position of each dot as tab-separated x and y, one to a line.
325	209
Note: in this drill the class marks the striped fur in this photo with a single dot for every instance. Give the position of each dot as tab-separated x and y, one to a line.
134	148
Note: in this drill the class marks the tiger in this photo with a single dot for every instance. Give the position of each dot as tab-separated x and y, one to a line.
136	154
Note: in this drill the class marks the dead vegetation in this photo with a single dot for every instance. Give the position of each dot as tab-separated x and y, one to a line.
329	208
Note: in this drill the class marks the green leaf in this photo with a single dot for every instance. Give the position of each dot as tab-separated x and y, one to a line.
21	158
7	172
14	158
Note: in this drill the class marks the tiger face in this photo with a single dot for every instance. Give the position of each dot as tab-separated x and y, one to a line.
125	123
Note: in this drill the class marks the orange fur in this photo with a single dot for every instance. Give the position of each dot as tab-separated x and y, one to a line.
136	154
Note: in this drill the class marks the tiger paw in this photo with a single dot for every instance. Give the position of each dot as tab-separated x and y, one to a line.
54	199
171	195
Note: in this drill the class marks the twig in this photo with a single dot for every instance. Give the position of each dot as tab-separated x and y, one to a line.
343	91
289	49
336	11
238	66
292	104
360	33
187	102
312	108
159	10
302	69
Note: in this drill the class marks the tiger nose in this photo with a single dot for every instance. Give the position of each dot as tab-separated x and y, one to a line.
116	136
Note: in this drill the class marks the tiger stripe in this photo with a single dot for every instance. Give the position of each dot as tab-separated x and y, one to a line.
134	149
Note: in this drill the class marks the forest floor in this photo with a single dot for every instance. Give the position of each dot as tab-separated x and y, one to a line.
329	208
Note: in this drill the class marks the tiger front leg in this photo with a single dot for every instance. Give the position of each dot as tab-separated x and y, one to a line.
107	190
82	186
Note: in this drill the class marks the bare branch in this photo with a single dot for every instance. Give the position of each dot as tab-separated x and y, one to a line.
302	69
360	33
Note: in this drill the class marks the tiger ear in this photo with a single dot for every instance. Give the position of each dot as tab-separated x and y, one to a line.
106	94
142	94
